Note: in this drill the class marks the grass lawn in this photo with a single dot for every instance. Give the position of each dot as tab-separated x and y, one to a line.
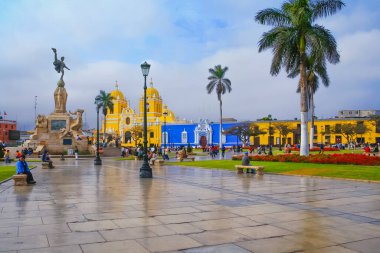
310	169
125	158
8	171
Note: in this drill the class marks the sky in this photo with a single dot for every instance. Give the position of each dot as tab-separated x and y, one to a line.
105	41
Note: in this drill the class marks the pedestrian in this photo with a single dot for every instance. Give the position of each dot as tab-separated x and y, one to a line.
223	150
76	152
321	148
22	168
7	157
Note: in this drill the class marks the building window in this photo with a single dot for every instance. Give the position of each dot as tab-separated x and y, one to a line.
184	137
327	129
151	134
128	121
338	128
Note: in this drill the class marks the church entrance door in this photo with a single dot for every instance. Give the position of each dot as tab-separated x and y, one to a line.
203	141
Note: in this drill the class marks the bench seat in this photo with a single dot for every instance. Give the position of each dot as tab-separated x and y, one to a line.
259	169
157	162
20	179
181	159
46	165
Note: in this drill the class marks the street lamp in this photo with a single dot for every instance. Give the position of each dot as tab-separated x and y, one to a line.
270	134
145	170
97	160
165	114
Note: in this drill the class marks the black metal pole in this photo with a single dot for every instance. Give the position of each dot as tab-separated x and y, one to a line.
165	136
97	160
145	170
270	138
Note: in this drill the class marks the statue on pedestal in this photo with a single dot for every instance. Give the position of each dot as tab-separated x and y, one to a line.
59	65
60	94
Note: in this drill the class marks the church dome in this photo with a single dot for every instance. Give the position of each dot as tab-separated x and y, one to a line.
117	94
152	92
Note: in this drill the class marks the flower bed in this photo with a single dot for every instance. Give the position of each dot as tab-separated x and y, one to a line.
317	149
357	159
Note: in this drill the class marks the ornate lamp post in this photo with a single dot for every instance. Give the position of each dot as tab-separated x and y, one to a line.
97	160
145	170
165	114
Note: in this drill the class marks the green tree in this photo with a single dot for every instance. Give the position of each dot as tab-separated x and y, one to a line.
221	85
294	38
284	129
347	130
136	134
104	101
243	131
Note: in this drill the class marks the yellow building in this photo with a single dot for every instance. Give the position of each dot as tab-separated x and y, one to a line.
327	131
123	120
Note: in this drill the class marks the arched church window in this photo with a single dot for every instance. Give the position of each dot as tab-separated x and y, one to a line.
128	121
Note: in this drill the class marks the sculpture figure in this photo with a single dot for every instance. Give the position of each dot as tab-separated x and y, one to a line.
59	65
41	121
76	124
60	98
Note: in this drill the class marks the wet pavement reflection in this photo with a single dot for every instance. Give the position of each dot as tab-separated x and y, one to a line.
79	207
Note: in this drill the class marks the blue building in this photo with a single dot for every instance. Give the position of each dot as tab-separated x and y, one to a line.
202	134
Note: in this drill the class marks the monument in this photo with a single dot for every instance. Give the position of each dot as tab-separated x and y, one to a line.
59	131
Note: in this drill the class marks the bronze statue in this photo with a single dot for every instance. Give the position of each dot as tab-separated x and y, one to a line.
59	65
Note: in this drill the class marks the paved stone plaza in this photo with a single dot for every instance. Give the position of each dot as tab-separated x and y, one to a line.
77	207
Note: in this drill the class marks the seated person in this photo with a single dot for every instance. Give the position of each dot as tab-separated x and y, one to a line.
7	157
245	162
18	154
22	168
46	158
153	158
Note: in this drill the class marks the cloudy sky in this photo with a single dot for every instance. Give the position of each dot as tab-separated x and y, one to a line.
104	41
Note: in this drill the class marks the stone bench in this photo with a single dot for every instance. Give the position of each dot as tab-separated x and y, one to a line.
20	179
181	159
47	165
259	169
157	162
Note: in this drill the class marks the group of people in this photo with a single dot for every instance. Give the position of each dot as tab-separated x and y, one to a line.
374	150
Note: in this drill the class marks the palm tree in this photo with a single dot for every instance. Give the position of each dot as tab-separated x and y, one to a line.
104	101
221	85
314	72
294	37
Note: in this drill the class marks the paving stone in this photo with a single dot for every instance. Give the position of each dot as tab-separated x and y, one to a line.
272	245
127	233
24	242
168	243
74	238
225	248
219	237
60	249
92	226
368	246
114	247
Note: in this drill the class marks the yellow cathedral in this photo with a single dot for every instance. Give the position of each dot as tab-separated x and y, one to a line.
122	121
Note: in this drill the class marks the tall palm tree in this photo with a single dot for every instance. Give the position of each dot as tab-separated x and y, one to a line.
221	85
315	71
104	101
296	36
